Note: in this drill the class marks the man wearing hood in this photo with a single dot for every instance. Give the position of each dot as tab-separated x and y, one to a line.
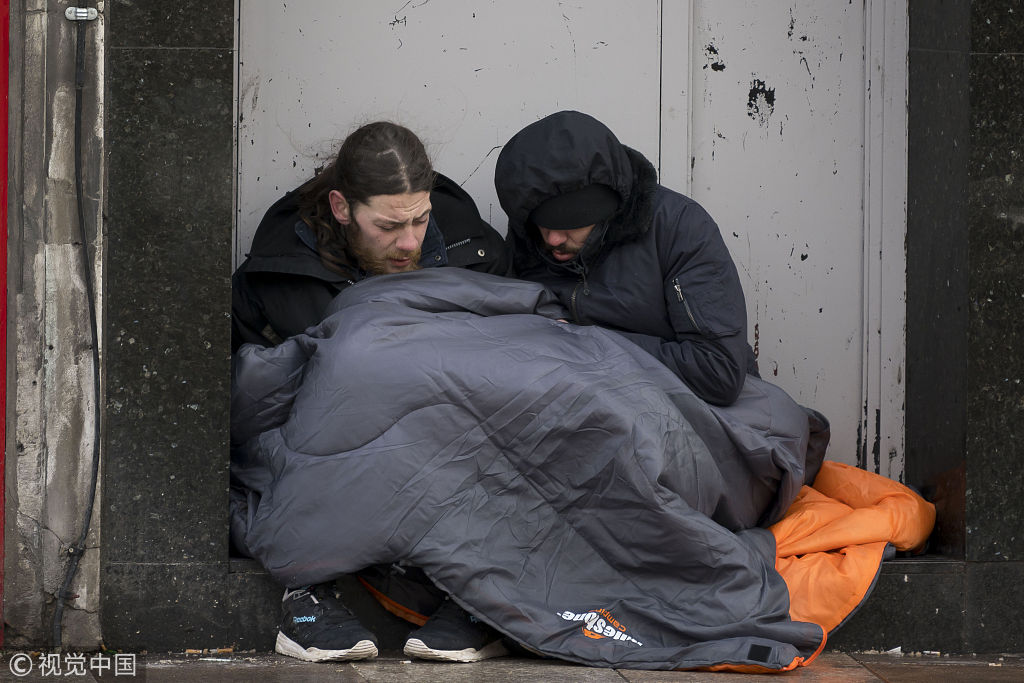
588	219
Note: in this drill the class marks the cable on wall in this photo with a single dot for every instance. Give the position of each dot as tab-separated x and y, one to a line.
77	549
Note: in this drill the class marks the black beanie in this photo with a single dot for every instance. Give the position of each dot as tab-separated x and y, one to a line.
589	205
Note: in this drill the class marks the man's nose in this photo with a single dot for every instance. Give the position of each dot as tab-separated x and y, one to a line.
408	240
554	238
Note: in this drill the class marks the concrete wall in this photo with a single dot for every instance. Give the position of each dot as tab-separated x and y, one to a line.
52	414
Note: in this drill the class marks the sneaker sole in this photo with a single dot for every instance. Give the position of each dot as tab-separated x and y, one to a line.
364	649
414	647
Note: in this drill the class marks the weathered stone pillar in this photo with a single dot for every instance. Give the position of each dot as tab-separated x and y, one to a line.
50	457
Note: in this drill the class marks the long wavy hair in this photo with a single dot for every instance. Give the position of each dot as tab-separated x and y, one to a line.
378	158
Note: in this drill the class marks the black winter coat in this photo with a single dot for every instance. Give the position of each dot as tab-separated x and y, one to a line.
282	288
658	271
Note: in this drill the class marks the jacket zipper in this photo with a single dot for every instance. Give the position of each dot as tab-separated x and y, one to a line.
581	270
572	303
457	244
686	304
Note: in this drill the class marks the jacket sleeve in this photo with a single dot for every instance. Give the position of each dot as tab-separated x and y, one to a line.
247	317
705	306
267	308
712	369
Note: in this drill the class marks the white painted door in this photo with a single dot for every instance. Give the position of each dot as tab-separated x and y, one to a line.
786	120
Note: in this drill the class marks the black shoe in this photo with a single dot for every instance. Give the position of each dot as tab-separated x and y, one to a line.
317	627
453	635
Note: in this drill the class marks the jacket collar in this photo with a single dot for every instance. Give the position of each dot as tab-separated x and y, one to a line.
434	251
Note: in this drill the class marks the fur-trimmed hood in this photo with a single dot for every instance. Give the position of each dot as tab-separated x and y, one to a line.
564	152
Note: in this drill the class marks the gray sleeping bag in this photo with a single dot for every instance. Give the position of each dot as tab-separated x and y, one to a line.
556	480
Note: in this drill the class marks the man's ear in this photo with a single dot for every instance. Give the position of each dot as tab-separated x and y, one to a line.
339	207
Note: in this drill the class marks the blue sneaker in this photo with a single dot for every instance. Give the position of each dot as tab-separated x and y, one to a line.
453	635
317	627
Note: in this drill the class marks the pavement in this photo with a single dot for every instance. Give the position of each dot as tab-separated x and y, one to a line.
230	667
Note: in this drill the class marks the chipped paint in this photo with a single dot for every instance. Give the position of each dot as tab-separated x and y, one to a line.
713	61
778	158
760	102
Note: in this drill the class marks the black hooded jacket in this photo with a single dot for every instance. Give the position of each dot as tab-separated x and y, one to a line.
658	271
282	288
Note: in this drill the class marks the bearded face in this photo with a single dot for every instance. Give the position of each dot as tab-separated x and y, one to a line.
377	259
564	245
385	234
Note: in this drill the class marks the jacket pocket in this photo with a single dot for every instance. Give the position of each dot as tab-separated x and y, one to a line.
706	308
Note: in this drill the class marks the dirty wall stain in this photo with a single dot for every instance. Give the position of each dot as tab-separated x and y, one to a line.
716	64
760	102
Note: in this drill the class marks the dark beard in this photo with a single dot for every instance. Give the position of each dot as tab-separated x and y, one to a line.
377	265
561	249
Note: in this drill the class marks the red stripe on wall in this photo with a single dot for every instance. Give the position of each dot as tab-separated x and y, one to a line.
5	53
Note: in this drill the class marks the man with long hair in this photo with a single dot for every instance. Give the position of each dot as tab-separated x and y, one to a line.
378	208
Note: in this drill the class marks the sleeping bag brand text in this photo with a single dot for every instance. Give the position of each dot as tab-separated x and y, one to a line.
600	623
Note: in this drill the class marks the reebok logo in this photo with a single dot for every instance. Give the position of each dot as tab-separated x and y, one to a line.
599	624
303	620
